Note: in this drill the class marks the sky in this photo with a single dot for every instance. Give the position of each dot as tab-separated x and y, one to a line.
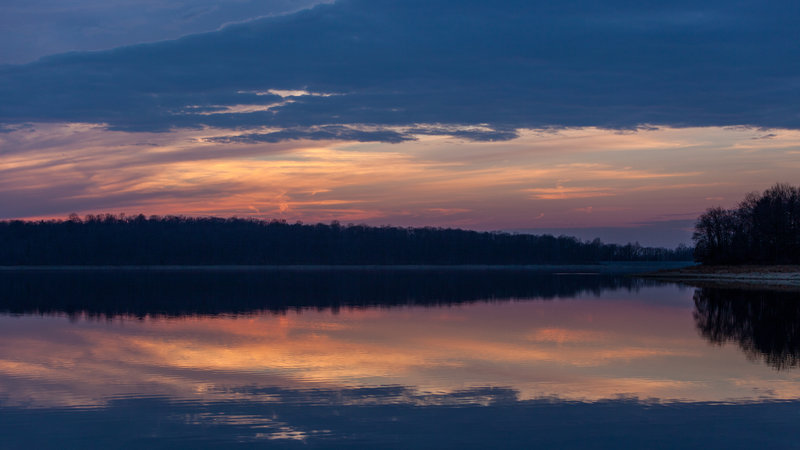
615	119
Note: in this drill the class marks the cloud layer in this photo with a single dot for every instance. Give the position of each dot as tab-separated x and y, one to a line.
652	182
400	63
30	29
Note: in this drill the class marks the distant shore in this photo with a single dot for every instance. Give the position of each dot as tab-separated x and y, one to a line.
785	275
621	267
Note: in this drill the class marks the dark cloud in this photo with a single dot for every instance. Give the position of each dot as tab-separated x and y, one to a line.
30	29
506	65
484	135
351	133
766	136
317	134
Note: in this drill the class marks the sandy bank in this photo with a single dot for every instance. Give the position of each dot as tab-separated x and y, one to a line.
751	275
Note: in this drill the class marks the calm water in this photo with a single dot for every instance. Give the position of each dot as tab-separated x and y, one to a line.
403	359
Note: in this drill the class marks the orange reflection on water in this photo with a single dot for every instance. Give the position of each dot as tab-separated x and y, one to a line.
587	349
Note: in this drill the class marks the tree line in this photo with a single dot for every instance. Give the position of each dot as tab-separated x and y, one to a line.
763	229
176	240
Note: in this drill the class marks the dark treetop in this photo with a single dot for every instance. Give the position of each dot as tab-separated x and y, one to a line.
764	229
137	240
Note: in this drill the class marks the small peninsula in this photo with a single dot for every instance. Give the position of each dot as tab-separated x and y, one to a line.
757	243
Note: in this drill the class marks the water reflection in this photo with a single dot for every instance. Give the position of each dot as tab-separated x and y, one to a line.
764	323
317	419
181	293
380	358
632	339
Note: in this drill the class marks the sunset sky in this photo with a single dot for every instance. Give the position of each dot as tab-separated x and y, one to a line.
617	119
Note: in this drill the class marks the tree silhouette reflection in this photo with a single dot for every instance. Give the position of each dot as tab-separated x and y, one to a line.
764	323
209	292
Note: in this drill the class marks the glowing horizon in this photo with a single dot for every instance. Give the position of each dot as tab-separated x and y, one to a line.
544	179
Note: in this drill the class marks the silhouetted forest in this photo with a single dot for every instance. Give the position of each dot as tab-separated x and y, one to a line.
182	293
764	323
764	229
137	240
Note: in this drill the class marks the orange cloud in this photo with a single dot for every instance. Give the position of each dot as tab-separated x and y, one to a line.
562	193
51	170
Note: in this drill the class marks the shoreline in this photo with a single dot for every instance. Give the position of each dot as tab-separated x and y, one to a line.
731	276
626	267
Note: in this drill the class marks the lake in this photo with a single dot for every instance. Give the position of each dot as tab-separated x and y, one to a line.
393	359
